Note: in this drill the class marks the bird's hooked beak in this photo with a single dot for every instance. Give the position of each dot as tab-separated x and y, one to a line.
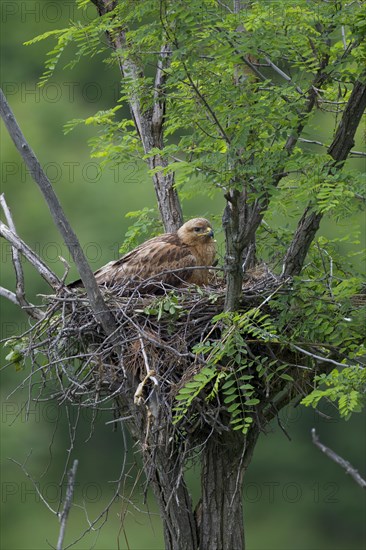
209	232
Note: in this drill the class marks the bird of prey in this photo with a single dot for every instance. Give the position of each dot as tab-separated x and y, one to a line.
166	258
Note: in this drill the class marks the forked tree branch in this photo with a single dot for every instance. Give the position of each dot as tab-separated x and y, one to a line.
241	219
68	497
9	295
17	243
19	275
19	297
100	310
30	309
339	460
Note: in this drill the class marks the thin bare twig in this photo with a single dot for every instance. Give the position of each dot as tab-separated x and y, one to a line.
321	144
281	73
318	357
103	516
344	38
34	483
339	460
209	110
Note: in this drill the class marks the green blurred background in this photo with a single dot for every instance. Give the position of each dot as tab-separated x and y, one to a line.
294	498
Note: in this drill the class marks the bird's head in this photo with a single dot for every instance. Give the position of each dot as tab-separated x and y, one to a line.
195	231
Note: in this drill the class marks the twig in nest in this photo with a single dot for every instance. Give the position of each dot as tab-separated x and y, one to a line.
339	460
67	268
150	375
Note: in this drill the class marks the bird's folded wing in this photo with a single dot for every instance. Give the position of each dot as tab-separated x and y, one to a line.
153	258
158	257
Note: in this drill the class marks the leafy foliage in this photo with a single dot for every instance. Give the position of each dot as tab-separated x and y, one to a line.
16	355
318	315
241	92
167	306
346	388
231	123
146	223
232	368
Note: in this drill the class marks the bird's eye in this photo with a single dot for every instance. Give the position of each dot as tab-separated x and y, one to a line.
197	229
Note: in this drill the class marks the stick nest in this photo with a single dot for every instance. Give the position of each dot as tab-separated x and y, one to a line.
150	358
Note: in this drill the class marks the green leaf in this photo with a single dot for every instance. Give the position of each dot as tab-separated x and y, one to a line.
230	398
286	377
251	402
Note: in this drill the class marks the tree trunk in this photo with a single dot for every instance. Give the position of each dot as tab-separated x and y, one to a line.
339	150
344	138
234	223
298	249
225	460
149	122
165	474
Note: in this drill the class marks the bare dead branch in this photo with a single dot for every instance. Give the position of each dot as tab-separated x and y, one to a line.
9	295
339	460
322	359
32	310
97	523
98	305
20	292
209	110
20	299
357	154
67	505
31	256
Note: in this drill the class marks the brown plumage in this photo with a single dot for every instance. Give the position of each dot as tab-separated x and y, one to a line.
191	246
